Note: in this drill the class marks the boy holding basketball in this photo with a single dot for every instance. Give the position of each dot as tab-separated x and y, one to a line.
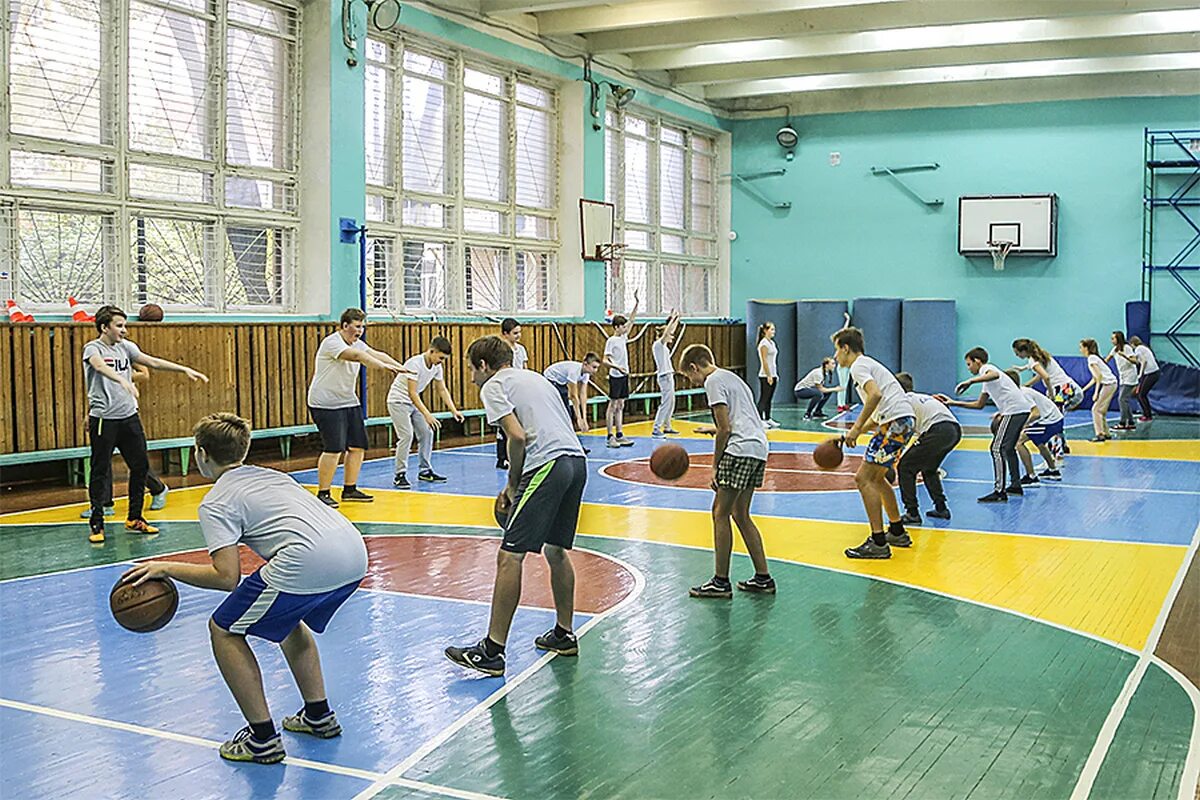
315	560
887	411
616	358
739	465
546	476
113	419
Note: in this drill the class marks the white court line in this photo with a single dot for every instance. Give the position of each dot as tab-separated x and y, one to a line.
1191	767
424	750
1108	731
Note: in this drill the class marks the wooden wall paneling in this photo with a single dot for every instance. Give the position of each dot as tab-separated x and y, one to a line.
23	390
43	385
8	419
244	394
274	376
65	422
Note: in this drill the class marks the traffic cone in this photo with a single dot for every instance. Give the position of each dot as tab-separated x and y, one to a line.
78	312
15	314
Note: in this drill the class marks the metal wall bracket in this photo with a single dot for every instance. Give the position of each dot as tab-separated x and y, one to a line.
893	173
744	179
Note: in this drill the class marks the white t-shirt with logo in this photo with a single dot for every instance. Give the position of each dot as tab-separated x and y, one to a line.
424	373
566	372
616	349
538	407
1007	396
1147	363
520	356
1048	413
894	402
335	381
929	411
814	378
309	547
1126	369
662	358
108	399
768	366
747	439
1106	374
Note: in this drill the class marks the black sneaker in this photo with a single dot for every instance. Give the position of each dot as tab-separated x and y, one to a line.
326	727
327	499
400	481
429	476
1066	448
476	658
994	497
941	512
356	496
711	588
1015	489
757	585
911	518
1030	480
551	642
820	415
501	464
898	537
1050	475
869	549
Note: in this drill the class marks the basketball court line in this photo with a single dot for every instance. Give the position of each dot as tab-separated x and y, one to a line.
509	686
1108	731
1191	765
213	744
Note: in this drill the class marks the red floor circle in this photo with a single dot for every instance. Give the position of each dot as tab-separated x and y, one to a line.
786	472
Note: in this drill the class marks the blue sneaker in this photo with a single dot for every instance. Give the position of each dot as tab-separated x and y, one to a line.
159	501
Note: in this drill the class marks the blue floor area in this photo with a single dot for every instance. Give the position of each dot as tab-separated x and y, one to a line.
1159	501
388	680
982	417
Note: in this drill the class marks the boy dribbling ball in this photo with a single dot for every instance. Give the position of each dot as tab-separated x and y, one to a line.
315	560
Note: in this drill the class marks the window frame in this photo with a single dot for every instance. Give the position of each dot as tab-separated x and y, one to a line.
395	232
116	200
655	258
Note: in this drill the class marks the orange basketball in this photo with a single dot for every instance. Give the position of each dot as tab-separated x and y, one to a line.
502	509
828	454
151	312
146	607
669	462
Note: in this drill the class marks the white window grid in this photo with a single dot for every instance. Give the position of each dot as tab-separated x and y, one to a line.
672	253
458	250
191	224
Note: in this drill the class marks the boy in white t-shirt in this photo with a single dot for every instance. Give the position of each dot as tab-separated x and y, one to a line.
887	411
938	433
546	479
315	560
1044	431
739	465
616	358
411	416
665	371
510	332
1013	407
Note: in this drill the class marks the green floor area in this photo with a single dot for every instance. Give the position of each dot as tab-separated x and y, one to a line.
1147	756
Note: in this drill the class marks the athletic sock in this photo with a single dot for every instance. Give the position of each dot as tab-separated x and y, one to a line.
263	731
762	576
350	487
717	579
323	493
879	537
560	631
491	649
316	709
896	527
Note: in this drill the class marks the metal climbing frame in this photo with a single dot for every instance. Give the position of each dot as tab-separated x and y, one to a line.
1170	191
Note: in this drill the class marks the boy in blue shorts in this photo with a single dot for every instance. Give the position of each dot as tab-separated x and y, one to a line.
887	411
315	561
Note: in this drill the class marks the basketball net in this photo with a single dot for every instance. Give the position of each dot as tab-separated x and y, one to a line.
999	251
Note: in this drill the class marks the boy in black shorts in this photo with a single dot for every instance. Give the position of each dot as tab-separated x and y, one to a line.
616	358
546	475
739	464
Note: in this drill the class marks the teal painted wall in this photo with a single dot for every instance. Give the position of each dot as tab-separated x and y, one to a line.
850	234
347	159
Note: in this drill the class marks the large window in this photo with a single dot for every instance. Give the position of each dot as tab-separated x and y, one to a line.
148	152
661	175
461	184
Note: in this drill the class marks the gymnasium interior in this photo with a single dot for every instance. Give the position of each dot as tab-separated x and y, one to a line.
941	174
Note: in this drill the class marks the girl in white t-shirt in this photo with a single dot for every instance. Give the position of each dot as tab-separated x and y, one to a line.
1127	371
768	372
1106	386
814	387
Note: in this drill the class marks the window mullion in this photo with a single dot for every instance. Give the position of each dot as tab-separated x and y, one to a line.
509	285
219	54
117	69
457	284
5	117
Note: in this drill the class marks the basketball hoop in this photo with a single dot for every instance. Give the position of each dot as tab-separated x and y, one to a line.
999	251
610	251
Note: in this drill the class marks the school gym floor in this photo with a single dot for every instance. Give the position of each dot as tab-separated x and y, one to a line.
1046	648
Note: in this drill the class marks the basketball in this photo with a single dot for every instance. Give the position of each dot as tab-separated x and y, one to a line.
828	454
146	607
995	423
669	462
502	509
151	312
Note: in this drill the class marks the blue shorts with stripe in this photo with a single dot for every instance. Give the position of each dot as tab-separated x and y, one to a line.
256	609
1040	434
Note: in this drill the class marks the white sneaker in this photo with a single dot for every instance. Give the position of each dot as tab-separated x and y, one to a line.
772	424
159	501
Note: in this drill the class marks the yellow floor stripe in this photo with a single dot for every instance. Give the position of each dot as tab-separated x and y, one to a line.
1111	590
1170	449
